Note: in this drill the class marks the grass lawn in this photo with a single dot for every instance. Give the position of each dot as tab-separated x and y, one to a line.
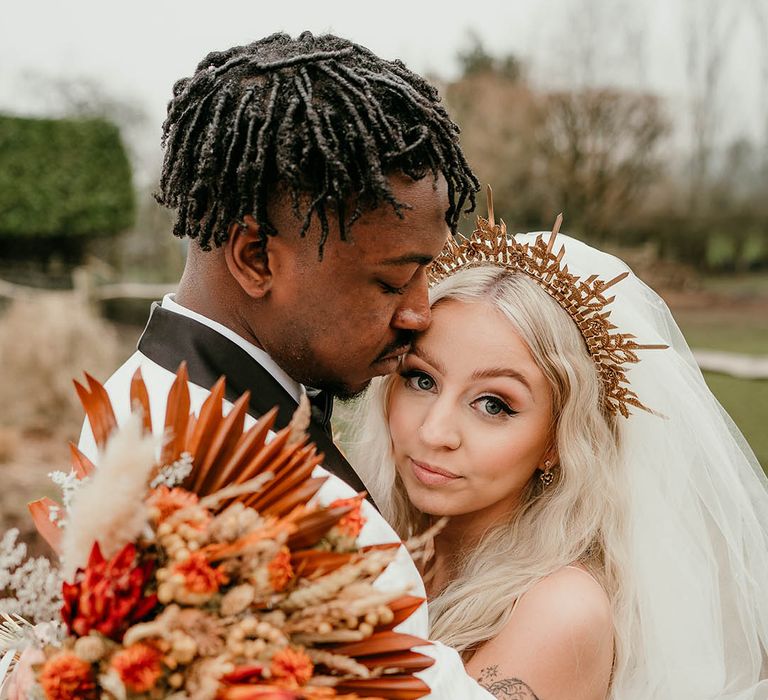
747	403
730	330
735	321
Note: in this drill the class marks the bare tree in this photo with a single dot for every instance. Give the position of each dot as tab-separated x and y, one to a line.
759	13
601	150
709	27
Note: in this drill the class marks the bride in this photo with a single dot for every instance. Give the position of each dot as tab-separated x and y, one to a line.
607	532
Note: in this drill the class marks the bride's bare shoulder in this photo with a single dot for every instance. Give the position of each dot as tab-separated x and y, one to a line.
558	641
569	598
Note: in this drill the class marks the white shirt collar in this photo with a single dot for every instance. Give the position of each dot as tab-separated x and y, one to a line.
290	385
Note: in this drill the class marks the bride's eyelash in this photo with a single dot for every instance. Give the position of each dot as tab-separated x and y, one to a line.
503	405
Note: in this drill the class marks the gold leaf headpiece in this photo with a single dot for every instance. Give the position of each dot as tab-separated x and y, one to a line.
583	299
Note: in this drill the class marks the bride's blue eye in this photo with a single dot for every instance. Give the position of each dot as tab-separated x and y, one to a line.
494	406
419	380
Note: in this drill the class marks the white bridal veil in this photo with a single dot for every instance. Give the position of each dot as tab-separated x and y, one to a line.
698	515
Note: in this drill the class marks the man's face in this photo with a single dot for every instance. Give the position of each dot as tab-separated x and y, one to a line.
336	323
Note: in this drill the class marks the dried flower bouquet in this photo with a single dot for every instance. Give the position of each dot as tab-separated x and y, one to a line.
207	573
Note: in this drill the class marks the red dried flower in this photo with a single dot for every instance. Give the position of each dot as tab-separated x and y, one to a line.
292	665
199	575
67	677
280	570
108	596
352	523
138	667
168	501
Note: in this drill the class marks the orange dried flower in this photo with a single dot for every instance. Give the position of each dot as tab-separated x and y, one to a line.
168	501
138	667
352	523
199	575
280	570
67	677
292	665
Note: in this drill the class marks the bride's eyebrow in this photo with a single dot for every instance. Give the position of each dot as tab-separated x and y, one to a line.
491	372
426	357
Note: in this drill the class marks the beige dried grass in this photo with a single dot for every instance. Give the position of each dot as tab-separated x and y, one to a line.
109	507
10	440
46	341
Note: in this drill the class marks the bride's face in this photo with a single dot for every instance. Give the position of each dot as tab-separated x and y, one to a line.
470	415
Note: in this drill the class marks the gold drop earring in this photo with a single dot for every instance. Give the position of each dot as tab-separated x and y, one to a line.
547	477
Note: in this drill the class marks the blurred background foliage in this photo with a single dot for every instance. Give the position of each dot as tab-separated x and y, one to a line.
62	181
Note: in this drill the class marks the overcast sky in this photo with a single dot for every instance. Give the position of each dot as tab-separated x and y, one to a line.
136	50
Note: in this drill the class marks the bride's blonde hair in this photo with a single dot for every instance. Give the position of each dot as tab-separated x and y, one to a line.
579	517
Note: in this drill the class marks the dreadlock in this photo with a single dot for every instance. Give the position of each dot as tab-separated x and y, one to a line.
318	118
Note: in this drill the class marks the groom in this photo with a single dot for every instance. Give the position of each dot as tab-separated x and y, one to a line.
315	182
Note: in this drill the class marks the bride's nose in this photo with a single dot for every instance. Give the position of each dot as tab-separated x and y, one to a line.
439	428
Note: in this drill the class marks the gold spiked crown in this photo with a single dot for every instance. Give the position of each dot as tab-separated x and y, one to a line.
583	299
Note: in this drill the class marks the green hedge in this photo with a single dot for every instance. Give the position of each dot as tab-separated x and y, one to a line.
63	178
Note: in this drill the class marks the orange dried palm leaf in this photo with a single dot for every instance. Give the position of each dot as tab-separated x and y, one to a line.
208	421
301	495
140	400
225	550
313	526
81	465
223	444
287	476
98	408
389	687
257	692
402	608
309	563
41	516
248	446
177	418
380	643
262	461
380	547
410	661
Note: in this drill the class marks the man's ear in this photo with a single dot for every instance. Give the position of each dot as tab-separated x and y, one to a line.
247	256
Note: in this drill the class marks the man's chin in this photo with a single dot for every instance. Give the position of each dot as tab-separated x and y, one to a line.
341	390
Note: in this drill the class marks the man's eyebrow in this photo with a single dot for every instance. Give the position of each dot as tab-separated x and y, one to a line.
502	372
408	259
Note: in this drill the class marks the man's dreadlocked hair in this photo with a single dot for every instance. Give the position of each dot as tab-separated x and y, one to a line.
319	118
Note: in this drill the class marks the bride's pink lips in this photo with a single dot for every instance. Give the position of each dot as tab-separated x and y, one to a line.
430	475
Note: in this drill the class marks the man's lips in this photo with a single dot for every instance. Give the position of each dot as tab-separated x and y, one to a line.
431	475
394	354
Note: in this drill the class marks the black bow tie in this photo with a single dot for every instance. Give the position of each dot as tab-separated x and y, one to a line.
322	408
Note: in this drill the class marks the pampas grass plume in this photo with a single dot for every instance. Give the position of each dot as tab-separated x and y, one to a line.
109	506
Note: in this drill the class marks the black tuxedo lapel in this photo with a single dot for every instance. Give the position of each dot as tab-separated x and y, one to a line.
171	338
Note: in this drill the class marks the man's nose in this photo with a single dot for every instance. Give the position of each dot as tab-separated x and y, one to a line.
413	314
